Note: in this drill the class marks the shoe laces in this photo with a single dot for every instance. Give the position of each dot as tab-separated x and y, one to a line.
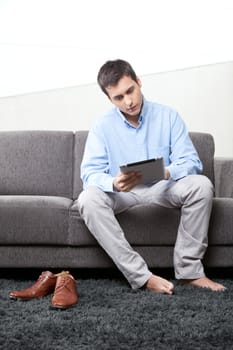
63	273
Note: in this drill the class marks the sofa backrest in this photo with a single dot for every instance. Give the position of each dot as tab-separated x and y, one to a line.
79	145
203	142
36	163
48	162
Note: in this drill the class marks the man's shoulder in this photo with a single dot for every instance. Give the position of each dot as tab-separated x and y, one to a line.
158	110
105	117
159	107
104	121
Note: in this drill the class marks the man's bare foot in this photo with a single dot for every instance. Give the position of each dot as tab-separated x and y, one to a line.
204	282
159	285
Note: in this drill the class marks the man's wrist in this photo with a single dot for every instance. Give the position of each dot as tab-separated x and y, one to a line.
115	189
167	174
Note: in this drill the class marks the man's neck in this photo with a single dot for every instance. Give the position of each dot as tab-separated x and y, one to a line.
133	120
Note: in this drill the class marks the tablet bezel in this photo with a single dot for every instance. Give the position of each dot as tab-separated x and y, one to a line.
152	170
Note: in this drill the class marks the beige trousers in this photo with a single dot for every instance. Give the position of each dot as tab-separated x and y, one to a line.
192	194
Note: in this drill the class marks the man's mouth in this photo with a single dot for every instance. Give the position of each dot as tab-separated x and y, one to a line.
132	109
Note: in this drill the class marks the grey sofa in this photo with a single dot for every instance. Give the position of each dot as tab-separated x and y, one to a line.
40	226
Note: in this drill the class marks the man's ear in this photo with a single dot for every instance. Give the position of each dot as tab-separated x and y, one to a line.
139	82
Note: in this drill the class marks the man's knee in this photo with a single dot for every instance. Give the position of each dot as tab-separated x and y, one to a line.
90	198
204	186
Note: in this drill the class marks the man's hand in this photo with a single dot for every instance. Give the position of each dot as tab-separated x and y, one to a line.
167	174
125	182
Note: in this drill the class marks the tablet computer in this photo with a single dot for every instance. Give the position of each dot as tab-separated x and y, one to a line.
152	170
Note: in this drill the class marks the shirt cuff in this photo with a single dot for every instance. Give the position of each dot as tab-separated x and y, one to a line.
176	172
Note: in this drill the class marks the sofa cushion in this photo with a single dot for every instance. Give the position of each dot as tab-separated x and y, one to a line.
79	145
36	163
221	222
204	144
35	220
143	225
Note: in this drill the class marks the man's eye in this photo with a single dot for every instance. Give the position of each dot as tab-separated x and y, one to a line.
130	91
118	98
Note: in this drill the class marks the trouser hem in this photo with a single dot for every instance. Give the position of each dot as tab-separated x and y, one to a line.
193	277
141	282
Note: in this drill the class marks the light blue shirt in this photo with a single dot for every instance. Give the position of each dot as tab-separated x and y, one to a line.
113	141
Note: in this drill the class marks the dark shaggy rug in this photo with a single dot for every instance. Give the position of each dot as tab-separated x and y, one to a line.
110	315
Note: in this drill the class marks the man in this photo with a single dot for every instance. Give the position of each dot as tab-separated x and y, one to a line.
135	130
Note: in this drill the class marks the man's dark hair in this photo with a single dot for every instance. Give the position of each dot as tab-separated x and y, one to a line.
112	71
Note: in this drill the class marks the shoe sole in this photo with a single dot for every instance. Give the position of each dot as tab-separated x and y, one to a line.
25	299
59	307
21	299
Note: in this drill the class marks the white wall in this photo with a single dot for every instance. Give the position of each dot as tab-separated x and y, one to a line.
49	44
202	95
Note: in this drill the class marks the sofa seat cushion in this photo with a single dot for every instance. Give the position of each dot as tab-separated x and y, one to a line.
35	220
221	222
155	225
142	225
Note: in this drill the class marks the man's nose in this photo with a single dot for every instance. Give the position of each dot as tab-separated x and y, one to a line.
128	101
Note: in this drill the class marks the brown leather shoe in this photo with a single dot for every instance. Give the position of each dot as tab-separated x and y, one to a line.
44	285
65	294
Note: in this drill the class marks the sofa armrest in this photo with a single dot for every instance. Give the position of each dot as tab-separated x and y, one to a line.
223	174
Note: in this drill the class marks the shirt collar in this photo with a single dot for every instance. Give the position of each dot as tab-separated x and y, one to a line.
141	118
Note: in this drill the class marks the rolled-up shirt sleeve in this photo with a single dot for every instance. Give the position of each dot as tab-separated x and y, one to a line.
95	164
183	155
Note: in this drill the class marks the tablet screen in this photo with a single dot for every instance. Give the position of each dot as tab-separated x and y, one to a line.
152	170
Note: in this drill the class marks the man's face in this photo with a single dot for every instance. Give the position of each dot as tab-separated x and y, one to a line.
127	96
